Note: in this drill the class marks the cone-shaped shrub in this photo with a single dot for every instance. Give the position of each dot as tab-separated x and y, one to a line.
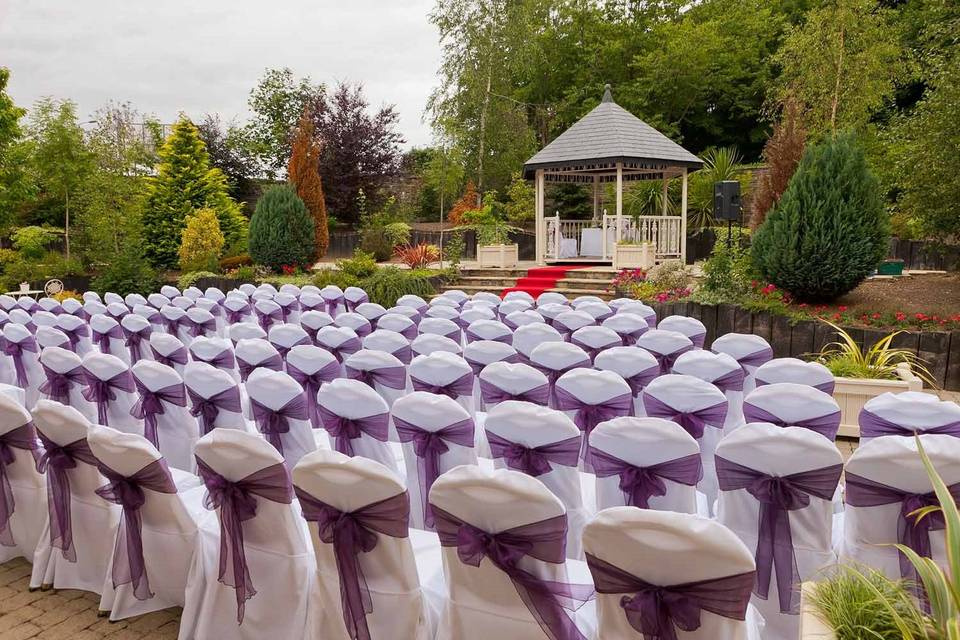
829	230
281	230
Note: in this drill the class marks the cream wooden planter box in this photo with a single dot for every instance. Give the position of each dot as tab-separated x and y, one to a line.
811	626
852	393
499	256
634	256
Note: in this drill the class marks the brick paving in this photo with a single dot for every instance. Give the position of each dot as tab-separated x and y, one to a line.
67	614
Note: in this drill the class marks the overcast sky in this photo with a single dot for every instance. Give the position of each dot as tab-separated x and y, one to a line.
200	56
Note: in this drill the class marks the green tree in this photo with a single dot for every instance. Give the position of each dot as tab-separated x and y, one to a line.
184	183
60	161
521	196
281	230
841	64
201	242
14	186
829	230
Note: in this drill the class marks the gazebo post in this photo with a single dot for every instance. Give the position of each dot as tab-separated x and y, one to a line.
683	219
666	189
541	224
619	204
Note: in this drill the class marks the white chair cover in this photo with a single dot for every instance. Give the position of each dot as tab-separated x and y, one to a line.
478	312
176	323
217	352
389	342
521	318
277	392
446	310
518	295
69	366
528	337
594	340
371	311
589	397
247	288
406	311
168	529
488	330
289	306
168	349
310	301
556	358
177	430
509	305
110	298
390	384
136	330
118	400
353	400
447	373
91	308
640	309
399	323
201	322
597	309
87	296
812	374
389	569
429	343
665	548
268	313
43	318
793	405
76	327
25	497
29	376
134	299
697	406
275	548
83	562
246	331
340	341
333	297
158	300
514	379
444	300
486	296
635	365
483	601
414	302
749	350
555	440
108	337
646	443
569	321
50	337
354	297
723	372
429	413
256	354
781	453
313	321
286	336
149	314
895	462
457	295
440	327
581	300
169	291
629	326
207	382
908	413
551	310
690	327
239	309
665	346
551	297
360	325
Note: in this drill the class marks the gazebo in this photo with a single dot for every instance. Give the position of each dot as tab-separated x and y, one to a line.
609	144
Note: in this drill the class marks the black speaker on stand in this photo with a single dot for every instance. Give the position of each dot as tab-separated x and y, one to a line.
726	204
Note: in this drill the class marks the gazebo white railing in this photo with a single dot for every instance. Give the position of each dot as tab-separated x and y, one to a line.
568	240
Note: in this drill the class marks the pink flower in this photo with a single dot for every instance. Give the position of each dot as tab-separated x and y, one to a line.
901	316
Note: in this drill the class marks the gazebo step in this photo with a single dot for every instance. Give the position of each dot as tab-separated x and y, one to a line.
570	293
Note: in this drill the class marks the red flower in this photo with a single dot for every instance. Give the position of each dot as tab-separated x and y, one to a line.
876	316
921	317
841	308
836	316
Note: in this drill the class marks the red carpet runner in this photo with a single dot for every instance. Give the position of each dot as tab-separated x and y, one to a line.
539	279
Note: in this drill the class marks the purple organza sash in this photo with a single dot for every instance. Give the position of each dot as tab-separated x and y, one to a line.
547	600
492	394
273	423
24	438
667	360
345	430
639	484
874	426
331	302
344	349
428	447
102	392
128	492
353	304
198	329
55	462
732	381
173	325
824	425
478	366
206	410
535	461
404	354
133	340
912	531
694	422
352	533
274	363
224	360
57	386
826	387
102	338
639	381
268	319
311	383
658	611
588	416
15	351
591	350
392	377
363	329
778	495
462	386
754	359
554	374
237	502
287	309
410	333
629	338
150	405
74	335
177	356
285	349
233	316
471	336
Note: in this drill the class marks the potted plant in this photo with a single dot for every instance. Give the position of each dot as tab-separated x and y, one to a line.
853	602
493	236
862	375
630	254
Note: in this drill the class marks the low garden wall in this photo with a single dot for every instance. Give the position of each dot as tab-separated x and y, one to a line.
940	350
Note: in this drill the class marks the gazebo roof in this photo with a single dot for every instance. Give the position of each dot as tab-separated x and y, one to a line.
607	135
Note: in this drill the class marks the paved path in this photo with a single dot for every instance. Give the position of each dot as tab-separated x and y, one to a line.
68	614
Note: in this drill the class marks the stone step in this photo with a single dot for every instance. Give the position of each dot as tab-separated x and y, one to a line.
570	293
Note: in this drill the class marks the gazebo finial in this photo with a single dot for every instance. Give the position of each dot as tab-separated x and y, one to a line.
607	96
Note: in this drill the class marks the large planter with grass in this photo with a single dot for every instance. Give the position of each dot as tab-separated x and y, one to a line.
641	255
852	393
498	256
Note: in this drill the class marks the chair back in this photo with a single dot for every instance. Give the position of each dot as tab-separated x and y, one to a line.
279	409
793	405
690	327
795	370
